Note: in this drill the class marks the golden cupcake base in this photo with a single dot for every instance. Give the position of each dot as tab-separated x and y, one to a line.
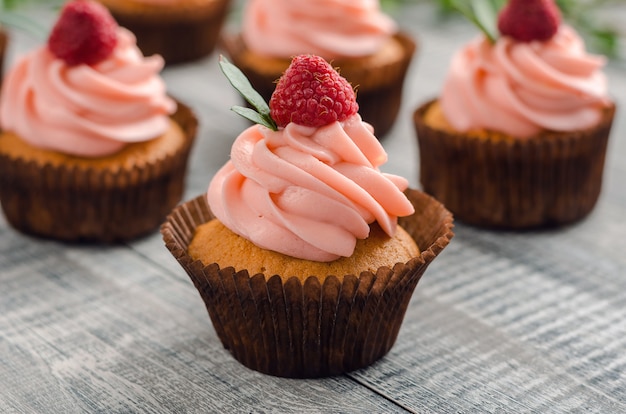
77	202
492	180
284	327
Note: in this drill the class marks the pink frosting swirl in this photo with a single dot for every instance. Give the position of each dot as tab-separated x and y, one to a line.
523	88
308	192
328	28
83	110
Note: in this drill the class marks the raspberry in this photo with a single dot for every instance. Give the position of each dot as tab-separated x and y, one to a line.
528	20
312	93
85	33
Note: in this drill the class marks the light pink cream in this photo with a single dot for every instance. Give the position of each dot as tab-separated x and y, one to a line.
523	88
308	192
83	110
328	28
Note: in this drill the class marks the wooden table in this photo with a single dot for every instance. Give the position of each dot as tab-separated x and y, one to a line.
501	322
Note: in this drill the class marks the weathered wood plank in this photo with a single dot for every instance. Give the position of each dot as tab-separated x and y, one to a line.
501	322
517	322
490	333
103	330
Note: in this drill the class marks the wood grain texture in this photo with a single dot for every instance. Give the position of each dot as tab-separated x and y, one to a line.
86	329
501	322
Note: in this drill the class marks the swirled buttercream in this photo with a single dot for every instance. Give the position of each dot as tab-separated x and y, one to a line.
522	88
328	28
83	110
308	192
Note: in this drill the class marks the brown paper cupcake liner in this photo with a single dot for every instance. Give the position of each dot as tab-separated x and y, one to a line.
379	88
311	329
87	204
178	37
501	182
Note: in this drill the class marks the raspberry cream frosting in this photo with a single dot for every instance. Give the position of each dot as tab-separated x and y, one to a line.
328	28
308	192
522	88
87	111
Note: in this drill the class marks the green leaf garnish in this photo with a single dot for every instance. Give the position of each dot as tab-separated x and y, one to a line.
23	23
11	16
582	14
487	14
261	112
254	116
483	13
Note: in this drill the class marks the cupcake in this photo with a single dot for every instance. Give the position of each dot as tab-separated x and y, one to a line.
297	249
372	54
178	30
91	146
517	138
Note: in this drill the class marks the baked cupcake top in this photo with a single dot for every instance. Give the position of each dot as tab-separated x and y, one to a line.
536	75
328	28
308	188
89	91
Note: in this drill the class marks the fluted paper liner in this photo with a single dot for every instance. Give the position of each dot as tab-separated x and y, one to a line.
87	204
177	39
304	330
379	88
504	182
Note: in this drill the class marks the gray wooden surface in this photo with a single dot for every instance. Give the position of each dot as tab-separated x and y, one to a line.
501	322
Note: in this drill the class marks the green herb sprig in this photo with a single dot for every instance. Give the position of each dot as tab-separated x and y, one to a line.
23	23
483	13
579	13
261	112
10	16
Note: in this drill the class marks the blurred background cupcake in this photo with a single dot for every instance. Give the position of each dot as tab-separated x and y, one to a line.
356	37
178	30
92	147
518	136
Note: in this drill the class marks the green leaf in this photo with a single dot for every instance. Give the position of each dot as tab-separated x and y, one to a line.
239	81
471	13
581	14
252	115
606	41
487	14
9	4
24	23
14	4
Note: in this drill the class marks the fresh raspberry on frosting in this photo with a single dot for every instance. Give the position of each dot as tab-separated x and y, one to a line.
312	93
85	33
528	20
